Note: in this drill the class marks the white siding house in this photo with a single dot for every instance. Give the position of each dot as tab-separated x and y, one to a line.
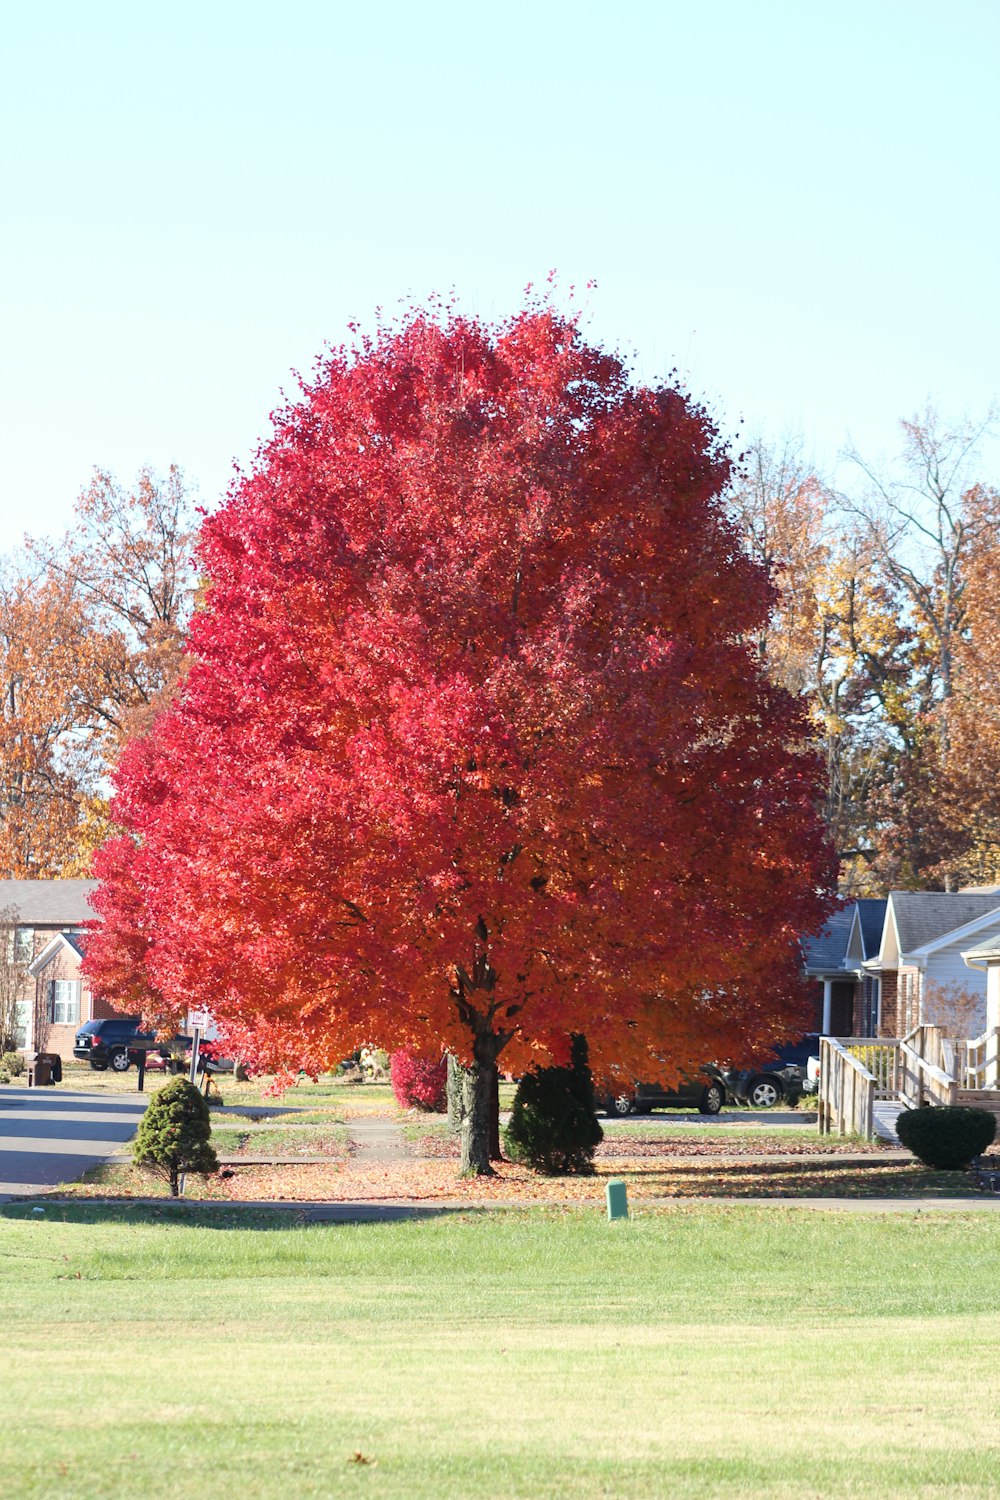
921	962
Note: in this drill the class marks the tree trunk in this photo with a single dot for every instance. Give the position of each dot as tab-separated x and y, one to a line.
456	1075
175	1182
495	1153
478	1107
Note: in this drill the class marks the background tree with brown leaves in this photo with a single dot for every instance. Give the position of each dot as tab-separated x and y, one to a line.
91	635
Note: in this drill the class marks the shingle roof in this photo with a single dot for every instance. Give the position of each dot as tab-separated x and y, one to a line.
827	949
57	903
871	915
922	916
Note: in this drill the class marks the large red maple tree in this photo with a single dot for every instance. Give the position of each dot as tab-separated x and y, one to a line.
473	748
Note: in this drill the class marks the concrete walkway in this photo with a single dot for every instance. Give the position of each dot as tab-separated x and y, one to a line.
49	1136
376	1139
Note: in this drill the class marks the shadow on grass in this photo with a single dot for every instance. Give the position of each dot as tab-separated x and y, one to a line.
207	1215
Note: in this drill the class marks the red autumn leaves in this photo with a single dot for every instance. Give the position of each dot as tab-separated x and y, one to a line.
472	740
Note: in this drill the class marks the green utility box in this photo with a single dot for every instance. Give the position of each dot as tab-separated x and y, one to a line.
617	1199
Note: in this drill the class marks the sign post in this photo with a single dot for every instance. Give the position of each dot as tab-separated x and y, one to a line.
197	1020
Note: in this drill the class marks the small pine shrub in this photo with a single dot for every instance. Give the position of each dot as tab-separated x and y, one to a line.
946	1137
418	1082
12	1064
553	1125
174	1134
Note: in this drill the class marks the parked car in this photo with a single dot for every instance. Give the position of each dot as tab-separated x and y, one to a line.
763	1084
116	1042
705	1092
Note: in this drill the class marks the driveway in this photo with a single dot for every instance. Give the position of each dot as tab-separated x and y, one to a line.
49	1136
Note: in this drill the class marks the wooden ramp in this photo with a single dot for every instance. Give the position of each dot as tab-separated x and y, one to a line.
884	1116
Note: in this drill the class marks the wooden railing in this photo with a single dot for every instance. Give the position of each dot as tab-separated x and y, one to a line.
924	1067
846	1096
920	1077
880	1057
977	1062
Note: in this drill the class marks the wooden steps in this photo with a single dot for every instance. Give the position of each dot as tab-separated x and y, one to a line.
981	1099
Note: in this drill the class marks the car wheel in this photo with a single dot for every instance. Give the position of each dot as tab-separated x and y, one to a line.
618	1105
764	1092
712	1100
120	1061
98	1067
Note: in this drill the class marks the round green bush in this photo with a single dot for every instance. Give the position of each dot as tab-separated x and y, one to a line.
553	1123
174	1134
946	1137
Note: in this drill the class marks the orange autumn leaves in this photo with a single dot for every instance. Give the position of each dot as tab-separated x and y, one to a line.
91	633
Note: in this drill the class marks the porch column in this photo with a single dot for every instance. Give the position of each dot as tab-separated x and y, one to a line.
992	1079
827	1005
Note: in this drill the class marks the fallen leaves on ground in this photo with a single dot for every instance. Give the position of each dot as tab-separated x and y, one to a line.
419	1181
618	1147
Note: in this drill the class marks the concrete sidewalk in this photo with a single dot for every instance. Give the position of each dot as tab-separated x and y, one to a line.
378	1210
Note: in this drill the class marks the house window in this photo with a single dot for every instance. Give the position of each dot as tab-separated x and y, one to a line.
21	945
65	1002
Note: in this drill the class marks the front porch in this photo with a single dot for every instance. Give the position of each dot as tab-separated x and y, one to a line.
864	1082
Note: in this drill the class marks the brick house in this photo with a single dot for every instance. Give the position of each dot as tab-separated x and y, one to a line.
846	995
882	967
46	944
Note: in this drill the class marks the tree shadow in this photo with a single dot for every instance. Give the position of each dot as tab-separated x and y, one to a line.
202	1214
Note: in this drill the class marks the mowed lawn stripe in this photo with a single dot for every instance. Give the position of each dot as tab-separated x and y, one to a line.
706	1352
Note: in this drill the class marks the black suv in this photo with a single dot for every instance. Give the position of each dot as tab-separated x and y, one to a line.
116	1043
762	1084
705	1092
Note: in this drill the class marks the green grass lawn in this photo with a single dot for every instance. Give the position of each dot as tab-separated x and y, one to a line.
706	1353
247	1139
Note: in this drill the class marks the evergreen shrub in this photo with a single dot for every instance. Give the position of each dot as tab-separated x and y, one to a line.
946	1136
12	1064
419	1082
553	1125
174	1134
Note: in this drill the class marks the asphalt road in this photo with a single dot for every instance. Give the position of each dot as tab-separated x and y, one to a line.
767	1119
49	1136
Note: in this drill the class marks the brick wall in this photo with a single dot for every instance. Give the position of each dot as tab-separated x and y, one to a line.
890	1020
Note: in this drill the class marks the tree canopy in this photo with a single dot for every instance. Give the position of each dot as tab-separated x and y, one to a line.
474	746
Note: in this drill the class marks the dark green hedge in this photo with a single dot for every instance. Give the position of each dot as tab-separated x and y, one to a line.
946	1136
553	1124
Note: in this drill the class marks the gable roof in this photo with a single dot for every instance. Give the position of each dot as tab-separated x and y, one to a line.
921	917
49	902
70	940
871	920
824	952
984	925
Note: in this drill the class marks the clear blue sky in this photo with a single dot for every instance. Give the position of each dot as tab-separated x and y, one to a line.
794	204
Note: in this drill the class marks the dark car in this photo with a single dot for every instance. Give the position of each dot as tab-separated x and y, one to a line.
763	1084
116	1042
705	1092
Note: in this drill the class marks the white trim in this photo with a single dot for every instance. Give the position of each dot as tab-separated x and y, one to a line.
882	959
